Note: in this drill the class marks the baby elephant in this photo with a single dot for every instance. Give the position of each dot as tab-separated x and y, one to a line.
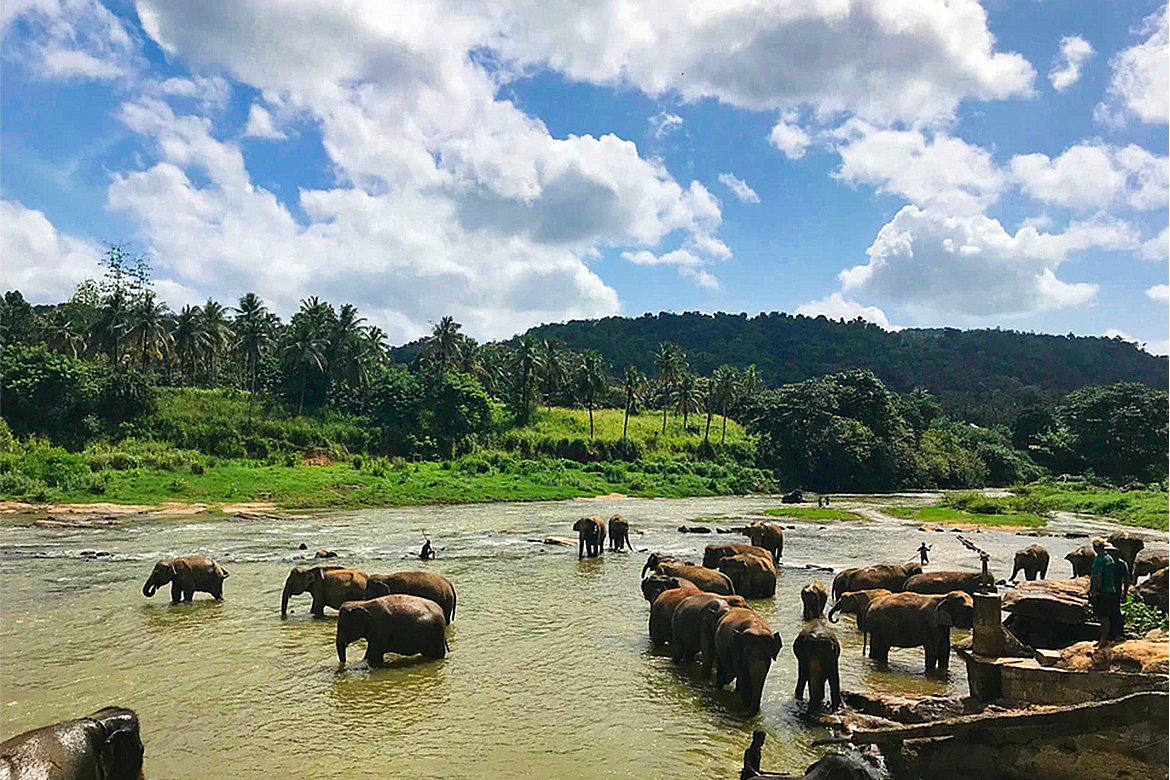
403	624
187	575
104	745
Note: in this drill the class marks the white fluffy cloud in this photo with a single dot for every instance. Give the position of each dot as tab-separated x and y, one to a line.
260	124
739	188
971	265
1140	84
1157	248
1159	292
71	39
1095	175
835	307
790	138
40	261
1075	51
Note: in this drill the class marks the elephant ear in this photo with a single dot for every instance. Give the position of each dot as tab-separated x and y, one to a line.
942	612
120	755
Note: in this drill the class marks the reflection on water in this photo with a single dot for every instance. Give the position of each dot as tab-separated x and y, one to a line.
550	673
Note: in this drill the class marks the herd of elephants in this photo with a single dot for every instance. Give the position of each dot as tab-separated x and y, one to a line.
696	609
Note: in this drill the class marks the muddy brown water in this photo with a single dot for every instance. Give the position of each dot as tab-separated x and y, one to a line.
550	673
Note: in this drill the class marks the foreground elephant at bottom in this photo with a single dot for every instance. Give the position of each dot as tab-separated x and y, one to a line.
917	620
817	653
415	583
403	624
104	746
187	575
330	586
745	648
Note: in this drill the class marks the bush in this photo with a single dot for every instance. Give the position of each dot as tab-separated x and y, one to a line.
1141	618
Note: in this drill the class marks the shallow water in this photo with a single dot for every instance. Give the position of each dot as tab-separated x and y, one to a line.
550	674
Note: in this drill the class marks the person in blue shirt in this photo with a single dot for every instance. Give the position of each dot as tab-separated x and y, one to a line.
1107	581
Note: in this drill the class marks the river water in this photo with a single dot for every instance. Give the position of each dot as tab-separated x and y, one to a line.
550	674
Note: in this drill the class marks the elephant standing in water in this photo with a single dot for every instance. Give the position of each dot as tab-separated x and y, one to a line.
655	584
770	536
745	648
330	586
590	536
415	583
714	553
104	746
917	620
187	575
753	576
688	619
817	650
1128	546
1032	560
700	576
939	582
889	576
813	598
619	533
1081	560
403	624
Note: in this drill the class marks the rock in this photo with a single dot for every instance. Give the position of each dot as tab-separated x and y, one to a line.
906	709
793	497
1153	590
1133	655
1076	535
1064	601
559	541
303	546
694	529
1149	561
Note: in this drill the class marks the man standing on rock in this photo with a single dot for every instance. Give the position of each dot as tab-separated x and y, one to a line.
1105	586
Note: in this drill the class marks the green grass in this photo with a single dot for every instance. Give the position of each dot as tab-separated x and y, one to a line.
1144	508
947	514
809	513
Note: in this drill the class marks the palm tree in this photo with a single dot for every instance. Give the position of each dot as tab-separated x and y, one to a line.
556	362
218	335
632	384
377	345
348	346
445	342
725	389
525	363
305	349
688	396
64	332
592	380
146	327
189	338
670	362
111	323
750	382
253	326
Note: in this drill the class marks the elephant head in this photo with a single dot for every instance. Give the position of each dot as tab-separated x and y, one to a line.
105	744
753	652
353	623
814	596
300	580
163	572
655	559
656	584
955	609
120	752
855	602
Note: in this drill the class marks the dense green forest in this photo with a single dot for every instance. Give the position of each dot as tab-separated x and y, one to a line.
114	380
983	376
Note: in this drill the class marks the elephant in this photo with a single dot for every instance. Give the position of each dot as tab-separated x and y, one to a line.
889	576
103	746
1128	545
187	575
745	648
917	620
330	586
655	559
852	765
1149	561
400	623
856	602
793	497
655	584
717	552
703	578
662	613
590	536
1081	560
753	576
686	624
817	653
770	536
619	533
937	582
1032	560
1153	591
814	596
415	583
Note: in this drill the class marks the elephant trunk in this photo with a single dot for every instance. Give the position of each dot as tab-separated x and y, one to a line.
149	589
284	600
341	645
833	612
645	566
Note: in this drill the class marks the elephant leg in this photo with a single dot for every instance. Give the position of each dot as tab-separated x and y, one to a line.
816	693
944	651
1030	574
677	652
879	651
834	685
580	547
721	675
176	592
1044	571
188	593
218	592
318	607
801	678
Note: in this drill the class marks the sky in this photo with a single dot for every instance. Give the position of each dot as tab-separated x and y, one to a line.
917	163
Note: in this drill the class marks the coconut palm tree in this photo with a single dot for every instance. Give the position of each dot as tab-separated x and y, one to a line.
556	362
218	336
146	327
189	339
525	365
348	347
377	345
592	380
688	395
632	383
254	337
670	363
725	389
305	349
445	343
64	332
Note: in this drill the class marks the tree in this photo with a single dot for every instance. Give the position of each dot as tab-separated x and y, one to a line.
18	322
305	350
458	412
525	364
189	339
445	343
217	336
688	396
725	388
1118	430
592	380
146	327
632	383
254	338
65	332
348	346
670	363
555	363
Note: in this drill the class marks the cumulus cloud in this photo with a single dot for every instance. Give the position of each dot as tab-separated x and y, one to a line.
260	125
1095	175
790	139
1157	248
1140	82
40	261
1159	292
1075	51
739	188
71	39
971	265
690	265
835	307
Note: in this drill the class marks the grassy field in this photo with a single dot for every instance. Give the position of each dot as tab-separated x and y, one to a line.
810	513
947	514
1143	508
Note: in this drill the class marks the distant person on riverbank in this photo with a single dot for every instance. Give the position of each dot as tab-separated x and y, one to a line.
427	552
923	549
1106	580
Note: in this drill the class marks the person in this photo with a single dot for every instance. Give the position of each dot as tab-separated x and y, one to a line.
427	551
1105	591
1121	570
922	550
821	501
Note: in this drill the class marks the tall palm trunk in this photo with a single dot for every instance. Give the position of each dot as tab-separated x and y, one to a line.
723	438
251	385
664	407
304	379
591	421
626	421
707	432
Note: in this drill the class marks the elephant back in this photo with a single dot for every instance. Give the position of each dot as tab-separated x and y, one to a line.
424	584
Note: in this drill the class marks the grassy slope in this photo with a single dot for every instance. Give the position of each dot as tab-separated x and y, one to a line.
1143	508
946	514
645	429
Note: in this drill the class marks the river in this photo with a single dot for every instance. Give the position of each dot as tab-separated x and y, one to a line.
550	674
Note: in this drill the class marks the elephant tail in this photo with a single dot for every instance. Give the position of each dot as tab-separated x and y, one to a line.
454	600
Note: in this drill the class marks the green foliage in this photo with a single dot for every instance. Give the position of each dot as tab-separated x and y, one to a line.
813	513
457	413
1145	508
949	514
1140	618
1119	431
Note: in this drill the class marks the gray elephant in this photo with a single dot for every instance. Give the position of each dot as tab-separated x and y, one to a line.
837	766
415	583
703	578
686	623
619	533
938	582
753	576
403	624
330	586
917	620
817	654
1128	545
770	536
654	560
187	575
104	746
1081	560
745	648
813	598
655	584
856	602
714	553
892	577
1032	560
590	536
662	613
1149	561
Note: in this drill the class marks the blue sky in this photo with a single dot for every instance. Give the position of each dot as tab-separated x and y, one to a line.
917	163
